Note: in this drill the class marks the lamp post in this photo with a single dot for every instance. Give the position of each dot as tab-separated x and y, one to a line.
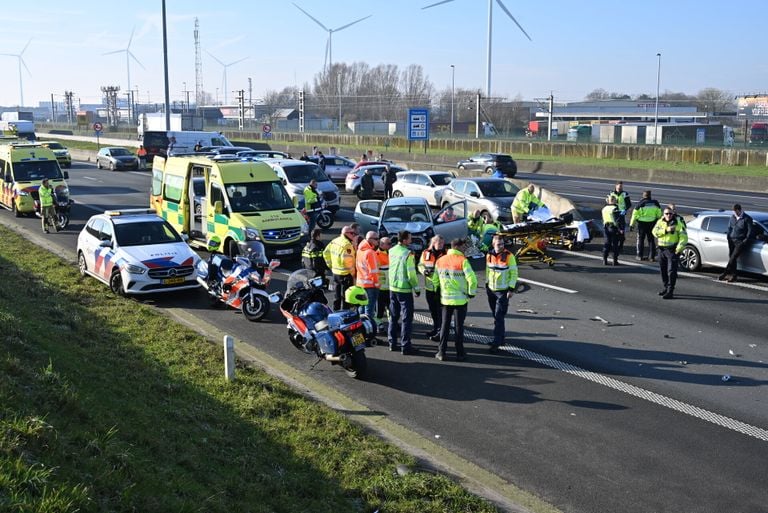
656	115
453	92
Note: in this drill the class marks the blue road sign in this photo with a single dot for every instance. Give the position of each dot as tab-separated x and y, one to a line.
418	124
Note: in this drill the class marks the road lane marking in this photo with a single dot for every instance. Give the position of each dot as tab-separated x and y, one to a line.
656	188
620	386
548	286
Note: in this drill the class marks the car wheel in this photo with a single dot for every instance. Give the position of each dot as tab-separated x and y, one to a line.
690	259
359	192
462	168
397	194
484	213
81	264
488	170
111	166
98	164
116	283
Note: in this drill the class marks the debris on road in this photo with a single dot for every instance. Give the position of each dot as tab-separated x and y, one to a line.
608	323
525	310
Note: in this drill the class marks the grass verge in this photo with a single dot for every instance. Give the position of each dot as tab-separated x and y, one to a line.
105	405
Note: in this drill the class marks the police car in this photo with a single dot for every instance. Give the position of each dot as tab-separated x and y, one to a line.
136	252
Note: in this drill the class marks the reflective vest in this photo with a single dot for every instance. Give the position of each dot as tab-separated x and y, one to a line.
622	200
310	199
523	200
501	270
402	270
427	266
367	266
339	255
46	196
475	225
677	238
455	278
610	215
645	212
312	256
383	257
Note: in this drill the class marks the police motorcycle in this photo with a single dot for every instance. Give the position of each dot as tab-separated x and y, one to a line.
314	328
240	282
62	204
325	217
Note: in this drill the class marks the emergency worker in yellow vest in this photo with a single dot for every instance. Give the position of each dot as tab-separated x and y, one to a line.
671	236
429	256
311	203
458	284
47	210
623	203
522	203
645	215
612	231
501	272
339	255
382	303
403	284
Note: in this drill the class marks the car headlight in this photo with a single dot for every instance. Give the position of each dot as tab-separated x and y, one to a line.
134	269
305	228
251	234
495	209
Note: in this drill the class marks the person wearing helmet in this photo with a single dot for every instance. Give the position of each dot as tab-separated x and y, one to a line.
213	245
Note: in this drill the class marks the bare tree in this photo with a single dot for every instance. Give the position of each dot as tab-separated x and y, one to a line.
711	99
598	94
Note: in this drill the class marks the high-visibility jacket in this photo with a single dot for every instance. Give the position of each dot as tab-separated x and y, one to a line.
311	199
46	196
610	215
402	270
339	255
312	256
455	278
427	266
648	210
501	270
523	200
367	264
622	200
677	238
383	257
475	225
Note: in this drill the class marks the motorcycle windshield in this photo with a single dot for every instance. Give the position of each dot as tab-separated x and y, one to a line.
299	279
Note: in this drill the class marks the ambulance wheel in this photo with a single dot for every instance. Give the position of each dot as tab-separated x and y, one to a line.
231	249
116	283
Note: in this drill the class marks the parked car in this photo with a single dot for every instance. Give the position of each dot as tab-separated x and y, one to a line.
225	150
61	152
336	167
483	194
296	175
352	182
413	214
423	184
489	162
708	243
136	252
264	154
115	158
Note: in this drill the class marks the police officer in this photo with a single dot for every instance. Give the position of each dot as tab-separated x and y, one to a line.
612	230
47	210
429	256
403	284
458	284
501	272
671	236
623	203
741	233
339	256
645	215
312	255
311	203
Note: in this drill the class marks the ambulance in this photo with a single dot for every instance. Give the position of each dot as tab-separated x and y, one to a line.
243	200
23	166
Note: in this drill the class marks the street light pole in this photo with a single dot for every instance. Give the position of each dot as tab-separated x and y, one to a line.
656	115
453	92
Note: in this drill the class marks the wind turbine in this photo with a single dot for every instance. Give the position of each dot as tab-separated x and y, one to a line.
225	71
329	44
490	27
21	62
128	56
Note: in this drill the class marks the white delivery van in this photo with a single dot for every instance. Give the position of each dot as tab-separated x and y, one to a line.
156	142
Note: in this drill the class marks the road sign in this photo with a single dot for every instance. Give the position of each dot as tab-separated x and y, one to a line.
266	128
418	124
97	127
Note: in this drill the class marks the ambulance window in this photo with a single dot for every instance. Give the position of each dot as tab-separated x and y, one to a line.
157	182
174	186
216	195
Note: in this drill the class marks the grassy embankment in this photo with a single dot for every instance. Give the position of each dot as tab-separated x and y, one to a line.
105	405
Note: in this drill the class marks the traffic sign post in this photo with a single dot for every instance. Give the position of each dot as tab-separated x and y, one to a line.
97	128
418	127
266	130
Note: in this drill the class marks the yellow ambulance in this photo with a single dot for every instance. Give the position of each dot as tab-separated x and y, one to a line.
23	165
238	200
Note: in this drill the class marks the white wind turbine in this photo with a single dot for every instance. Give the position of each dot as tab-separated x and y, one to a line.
225	66
20	57
490	28
128	56
329	44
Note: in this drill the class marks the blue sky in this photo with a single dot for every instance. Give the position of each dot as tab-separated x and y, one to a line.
577	45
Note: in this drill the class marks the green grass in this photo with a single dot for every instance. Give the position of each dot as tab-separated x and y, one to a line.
106	405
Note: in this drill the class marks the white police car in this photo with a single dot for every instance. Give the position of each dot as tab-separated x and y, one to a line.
136	252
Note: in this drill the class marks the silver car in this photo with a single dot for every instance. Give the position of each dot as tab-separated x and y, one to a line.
424	184
296	175
337	167
708	243
352	182
484	195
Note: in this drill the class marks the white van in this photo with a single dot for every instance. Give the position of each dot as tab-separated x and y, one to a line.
156	143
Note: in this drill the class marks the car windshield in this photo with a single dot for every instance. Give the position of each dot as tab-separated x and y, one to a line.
258	196
407	213
497	189
304	173
145	233
36	170
55	146
120	152
442	179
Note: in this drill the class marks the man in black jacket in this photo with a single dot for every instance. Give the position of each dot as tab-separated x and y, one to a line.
366	184
741	233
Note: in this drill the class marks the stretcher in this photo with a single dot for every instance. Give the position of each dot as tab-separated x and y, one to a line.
532	239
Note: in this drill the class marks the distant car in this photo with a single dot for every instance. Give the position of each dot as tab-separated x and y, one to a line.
296	175
264	154
483	194
708	243
336	167
115	158
413	214
352	182
489	162
424	184
224	150
61	152
136	252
